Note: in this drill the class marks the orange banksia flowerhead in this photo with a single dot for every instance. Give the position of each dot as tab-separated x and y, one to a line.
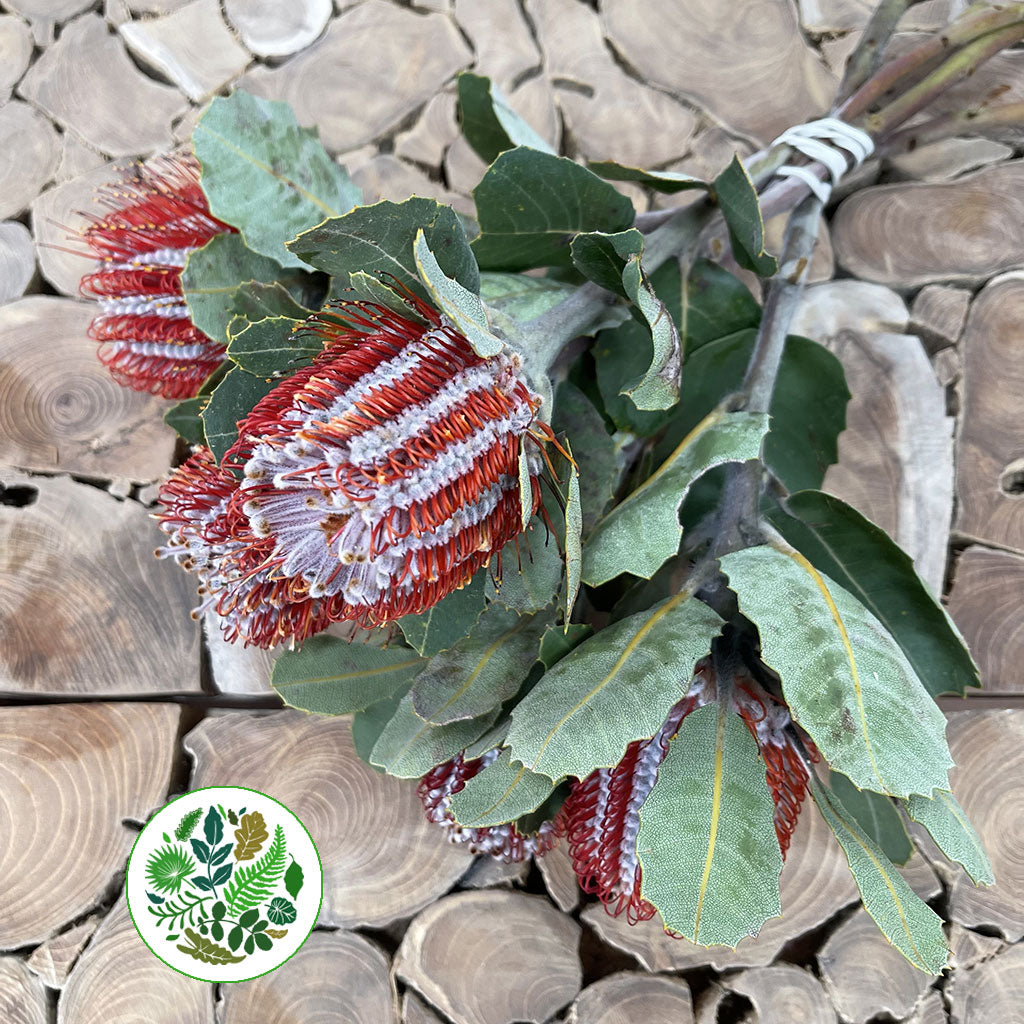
365	487
154	217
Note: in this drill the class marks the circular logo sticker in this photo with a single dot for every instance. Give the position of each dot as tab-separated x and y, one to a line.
224	884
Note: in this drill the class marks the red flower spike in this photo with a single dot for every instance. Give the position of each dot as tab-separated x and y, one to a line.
601	817
154	218
503	842
375	482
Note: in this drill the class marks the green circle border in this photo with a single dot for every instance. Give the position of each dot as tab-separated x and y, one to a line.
185	974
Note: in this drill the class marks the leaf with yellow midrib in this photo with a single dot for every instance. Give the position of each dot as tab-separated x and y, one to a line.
251	835
208	952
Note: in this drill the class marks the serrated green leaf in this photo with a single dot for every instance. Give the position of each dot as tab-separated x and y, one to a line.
448	621
614	688
214	274
668	182
954	835
903	918
558	641
370	288
845	679
658	387
331	676
481	671
257	300
461	306
255	158
530	204
489	123
737	199
573	541
714	304
601	257
709	857
502	792
232	400
408	747
877	816
273	347
864	559
206	951
186	420
379	239
642	532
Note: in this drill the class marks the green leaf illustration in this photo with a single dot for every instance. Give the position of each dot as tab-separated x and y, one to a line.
251	835
253	883
187	825
168	867
293	879
281	911
235	937
208	951
175	912
263	940
213	827
223	873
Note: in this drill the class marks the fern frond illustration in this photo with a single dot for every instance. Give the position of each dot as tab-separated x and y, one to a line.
207	951
187	825
254	883
167	868
175	913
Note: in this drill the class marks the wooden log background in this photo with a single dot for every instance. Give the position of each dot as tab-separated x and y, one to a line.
112	697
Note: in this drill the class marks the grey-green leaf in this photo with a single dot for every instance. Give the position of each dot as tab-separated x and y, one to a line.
904	919
255	158
669	182
573	541
601	257
847	682
642	532
489	123
448	621
947	824
738	201
614	688
709	857
877	816
531	573
257	300
502	792
865	560
273	347
185	418
558	641
232	400
530	204
481	671
331	676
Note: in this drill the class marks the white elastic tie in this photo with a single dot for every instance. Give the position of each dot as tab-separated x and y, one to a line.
821	141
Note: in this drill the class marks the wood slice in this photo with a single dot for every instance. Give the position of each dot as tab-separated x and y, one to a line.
62	410
865	975
76	158
938	315
193	47
83	80
504	45
237	669
117	980
522	964
69	776
608	114
827	310
435	129
993	991
47	10
629	996
277	28
986	602
990	468
930	1010
386	177
949	158
783	993
382	859
23	999
559	877
948	366
921	877
815	884
988	748
416	1011
834	15
915	233
17	260
53	959
488	872
385	60
29	151
117	622
971	948
15	52
334	977
747	62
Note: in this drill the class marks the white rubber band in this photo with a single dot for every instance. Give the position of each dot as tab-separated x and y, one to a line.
821	141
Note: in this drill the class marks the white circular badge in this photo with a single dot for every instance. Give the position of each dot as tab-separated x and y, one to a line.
224	884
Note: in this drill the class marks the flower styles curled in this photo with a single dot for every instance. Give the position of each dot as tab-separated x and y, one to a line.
154	217
373	483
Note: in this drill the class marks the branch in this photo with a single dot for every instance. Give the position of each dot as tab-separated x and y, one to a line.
866	59
991	122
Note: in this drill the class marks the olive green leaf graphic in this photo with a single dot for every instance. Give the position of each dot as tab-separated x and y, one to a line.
293	878
167	868
254	883
207	951
277	933
281	911
188	824
251	836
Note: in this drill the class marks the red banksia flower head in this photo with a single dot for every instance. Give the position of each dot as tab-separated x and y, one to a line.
374	482
154	217
504	842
